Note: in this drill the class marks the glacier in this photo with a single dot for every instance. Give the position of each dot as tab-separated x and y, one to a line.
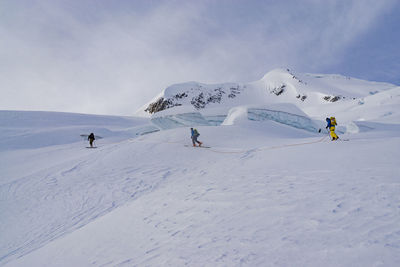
300	121
294	120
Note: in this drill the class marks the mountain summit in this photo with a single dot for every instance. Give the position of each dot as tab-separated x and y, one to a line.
317	95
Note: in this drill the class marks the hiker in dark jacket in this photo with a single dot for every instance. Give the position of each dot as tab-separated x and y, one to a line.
91	139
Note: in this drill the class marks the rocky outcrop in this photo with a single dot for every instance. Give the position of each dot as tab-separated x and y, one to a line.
200	98
332	98
278	90
159	105
301	97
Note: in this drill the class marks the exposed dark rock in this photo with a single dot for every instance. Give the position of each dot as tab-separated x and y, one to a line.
336	98
332	98
278	90
234	91
198	101
301	97
160	104
180	96
201	98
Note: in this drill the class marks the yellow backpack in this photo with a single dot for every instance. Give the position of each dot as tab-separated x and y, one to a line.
333	121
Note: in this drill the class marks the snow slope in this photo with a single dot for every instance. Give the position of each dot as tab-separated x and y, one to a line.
21	129
316	95
264	194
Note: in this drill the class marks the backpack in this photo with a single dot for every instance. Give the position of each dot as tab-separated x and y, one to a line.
195	132
333	121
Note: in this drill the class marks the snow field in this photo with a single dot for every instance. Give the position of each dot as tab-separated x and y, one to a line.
265	194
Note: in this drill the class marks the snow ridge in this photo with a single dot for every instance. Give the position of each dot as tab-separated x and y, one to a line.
317	95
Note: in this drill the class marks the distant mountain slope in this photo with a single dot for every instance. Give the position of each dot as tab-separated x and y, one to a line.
35	129
317	95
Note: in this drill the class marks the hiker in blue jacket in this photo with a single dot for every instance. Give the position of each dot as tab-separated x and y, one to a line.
331	124
195	134
328	122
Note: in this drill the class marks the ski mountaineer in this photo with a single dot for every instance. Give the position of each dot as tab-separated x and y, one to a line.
331	124
91	139
195	134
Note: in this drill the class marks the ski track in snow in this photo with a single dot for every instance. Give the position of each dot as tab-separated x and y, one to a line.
216	243
73	188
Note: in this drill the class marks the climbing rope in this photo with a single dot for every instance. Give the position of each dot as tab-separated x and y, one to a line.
240	151
268	147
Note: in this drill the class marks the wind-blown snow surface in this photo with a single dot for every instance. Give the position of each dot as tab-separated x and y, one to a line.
264	194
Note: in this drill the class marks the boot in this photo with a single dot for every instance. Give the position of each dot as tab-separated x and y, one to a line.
194	144
200	143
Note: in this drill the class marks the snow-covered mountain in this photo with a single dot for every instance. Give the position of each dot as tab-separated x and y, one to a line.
315	95
270	191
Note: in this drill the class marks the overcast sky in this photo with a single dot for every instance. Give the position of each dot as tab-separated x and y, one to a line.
111	57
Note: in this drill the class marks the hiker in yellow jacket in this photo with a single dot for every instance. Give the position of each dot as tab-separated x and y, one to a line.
331	126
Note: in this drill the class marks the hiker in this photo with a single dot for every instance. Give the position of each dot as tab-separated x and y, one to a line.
331	123
91	139
195	134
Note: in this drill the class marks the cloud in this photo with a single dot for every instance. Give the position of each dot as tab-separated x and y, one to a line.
111	57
